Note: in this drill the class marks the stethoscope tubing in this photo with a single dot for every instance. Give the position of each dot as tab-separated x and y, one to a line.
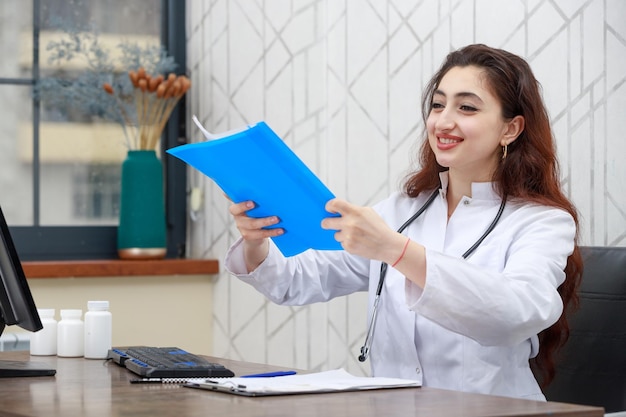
365	349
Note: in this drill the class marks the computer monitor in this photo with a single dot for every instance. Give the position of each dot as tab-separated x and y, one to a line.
17	306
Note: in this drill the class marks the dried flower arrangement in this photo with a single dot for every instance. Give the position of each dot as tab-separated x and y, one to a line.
154	99
136	89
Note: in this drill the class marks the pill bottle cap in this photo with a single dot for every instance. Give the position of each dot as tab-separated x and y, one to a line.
46	313
71	314
98	305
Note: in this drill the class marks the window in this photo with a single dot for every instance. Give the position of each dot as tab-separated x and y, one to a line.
96	193
59	166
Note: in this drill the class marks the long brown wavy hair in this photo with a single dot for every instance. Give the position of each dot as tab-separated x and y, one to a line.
530	171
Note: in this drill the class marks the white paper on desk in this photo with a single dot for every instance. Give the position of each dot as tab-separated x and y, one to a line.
328	381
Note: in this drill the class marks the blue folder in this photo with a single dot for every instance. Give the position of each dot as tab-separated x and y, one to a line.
255	164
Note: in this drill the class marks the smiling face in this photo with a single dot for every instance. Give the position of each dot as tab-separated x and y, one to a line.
466	130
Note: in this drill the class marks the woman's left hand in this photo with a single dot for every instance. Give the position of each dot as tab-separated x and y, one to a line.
361	231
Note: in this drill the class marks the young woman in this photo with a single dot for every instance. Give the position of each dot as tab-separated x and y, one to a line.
477	258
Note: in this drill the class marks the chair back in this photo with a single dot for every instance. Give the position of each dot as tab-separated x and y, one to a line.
591	367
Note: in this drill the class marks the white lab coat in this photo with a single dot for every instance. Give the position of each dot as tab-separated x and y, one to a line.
473	327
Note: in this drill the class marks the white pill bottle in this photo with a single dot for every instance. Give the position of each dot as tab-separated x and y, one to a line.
98	330
70	331
44	342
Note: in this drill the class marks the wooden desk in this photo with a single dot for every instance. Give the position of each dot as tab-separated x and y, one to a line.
90	388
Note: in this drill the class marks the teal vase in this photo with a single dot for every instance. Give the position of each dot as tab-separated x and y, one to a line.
142	231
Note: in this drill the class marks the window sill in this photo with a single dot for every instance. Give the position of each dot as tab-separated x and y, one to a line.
117	268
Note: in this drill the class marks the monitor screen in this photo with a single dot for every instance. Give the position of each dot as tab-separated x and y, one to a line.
17	306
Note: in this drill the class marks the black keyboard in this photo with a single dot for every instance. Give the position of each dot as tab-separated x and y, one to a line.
166	362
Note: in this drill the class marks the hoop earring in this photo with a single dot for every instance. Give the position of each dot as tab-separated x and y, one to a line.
505	150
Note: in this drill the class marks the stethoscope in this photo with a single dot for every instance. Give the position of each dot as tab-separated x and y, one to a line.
365	349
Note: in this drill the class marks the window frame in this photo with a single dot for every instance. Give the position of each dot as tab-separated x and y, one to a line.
43	243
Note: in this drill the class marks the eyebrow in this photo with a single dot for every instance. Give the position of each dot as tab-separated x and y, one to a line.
461	94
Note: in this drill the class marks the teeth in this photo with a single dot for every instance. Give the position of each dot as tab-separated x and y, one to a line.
447	140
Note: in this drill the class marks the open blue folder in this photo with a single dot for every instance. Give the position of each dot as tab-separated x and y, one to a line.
255	164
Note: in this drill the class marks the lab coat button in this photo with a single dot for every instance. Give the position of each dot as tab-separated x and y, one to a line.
466	202
418	371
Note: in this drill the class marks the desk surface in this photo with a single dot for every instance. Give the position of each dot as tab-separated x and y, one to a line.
84	387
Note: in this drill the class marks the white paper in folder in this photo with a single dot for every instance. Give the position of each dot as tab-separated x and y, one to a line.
321	382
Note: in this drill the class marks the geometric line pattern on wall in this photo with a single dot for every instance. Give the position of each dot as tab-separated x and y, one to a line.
341	83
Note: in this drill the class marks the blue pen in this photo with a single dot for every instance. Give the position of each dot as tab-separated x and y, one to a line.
270	374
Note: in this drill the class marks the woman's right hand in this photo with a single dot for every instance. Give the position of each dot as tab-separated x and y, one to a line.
255	236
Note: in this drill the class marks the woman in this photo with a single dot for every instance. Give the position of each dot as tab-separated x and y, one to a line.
488	261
